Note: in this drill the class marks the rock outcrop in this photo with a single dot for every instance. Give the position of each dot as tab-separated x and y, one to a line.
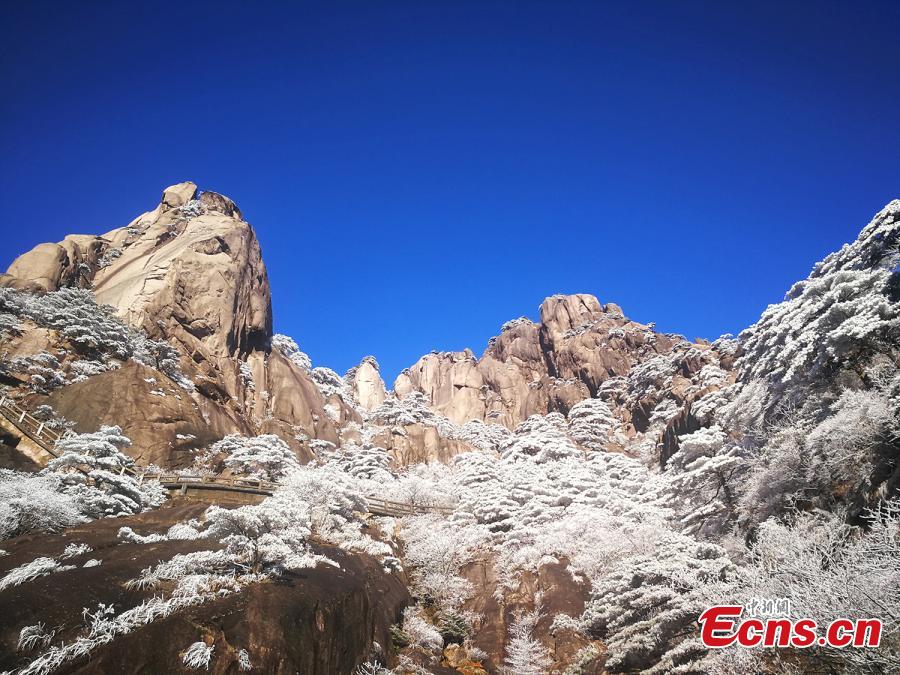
366	385
536	368
190	272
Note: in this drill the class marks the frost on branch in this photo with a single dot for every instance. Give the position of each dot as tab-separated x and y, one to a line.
266	457
32	503
244	662
39	567
291	350
196	577
197	656
524	653
75	549
93	470
33	637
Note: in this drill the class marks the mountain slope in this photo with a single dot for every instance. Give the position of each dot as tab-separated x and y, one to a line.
601	483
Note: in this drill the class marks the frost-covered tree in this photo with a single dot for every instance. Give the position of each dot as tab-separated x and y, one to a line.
842	315
591	422
847	448
82	369
244	663
287	346
645	607
94	470
830	570
394	411
420	491
329	491
436	550
273	534
703	474
328	381
160	355
92	328
419	631
39	567
368	463
197	656
541	438
44	371
335	498
525	655
34	636
32	503
9	325
266	457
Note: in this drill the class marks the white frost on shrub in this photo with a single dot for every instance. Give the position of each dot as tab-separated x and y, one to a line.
197	656
287	346
39	567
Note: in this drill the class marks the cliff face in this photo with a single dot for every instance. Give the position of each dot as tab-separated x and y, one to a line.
536	368
580	350
189	272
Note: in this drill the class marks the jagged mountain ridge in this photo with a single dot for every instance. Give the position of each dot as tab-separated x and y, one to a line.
191	272
593	463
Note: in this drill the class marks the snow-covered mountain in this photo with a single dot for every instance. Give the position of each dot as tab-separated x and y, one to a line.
601	483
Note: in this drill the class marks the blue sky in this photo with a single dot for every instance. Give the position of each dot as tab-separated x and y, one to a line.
420	172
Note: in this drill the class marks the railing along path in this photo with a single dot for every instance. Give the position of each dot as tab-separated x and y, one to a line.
29	425
46	438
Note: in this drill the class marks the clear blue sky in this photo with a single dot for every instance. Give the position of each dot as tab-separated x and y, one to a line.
420	172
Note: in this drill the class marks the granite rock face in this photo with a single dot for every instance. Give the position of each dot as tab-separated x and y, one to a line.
536	368
366	386
190	272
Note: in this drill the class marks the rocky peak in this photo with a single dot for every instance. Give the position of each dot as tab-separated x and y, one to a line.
366	385
562	313
190	272
178	195
537	368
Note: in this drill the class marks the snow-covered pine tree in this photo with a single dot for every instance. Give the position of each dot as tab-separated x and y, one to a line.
266	457
95	471
525	655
